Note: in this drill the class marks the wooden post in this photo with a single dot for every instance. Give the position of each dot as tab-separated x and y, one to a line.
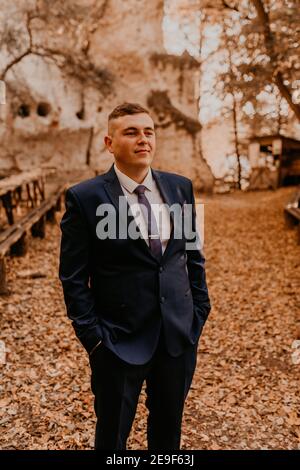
19	194
58	204
35	193
50	215
20	247
29	196
8	206
3	286
38	229
41	187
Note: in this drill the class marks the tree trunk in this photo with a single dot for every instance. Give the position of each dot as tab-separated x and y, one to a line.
234	112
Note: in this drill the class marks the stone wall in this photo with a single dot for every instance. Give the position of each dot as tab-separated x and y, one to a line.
67	64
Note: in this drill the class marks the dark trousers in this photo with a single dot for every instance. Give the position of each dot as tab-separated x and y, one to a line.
117	386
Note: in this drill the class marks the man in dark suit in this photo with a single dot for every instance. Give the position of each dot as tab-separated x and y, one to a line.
135	291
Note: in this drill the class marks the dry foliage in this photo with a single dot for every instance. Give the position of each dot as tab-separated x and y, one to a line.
245	392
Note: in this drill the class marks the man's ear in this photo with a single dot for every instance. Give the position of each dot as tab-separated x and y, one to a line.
108	143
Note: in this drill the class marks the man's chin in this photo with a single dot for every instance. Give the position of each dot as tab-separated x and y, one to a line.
143	158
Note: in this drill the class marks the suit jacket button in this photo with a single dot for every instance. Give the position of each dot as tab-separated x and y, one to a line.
161	269
162	299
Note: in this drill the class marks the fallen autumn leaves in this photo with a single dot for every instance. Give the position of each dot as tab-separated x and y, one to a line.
245	392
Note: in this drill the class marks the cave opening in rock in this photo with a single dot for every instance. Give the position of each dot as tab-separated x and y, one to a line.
24	110
43	109
80	114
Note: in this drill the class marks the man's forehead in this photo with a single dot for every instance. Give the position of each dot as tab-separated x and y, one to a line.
139	121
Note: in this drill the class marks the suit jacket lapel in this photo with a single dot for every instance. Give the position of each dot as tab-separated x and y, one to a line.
169	198
113	187
165	189
114	191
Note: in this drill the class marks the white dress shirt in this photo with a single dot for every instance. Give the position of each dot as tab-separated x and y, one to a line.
158	206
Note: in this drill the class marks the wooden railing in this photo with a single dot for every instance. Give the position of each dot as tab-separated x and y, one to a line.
27	187
13	240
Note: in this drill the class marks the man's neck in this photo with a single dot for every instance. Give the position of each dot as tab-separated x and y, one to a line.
136	174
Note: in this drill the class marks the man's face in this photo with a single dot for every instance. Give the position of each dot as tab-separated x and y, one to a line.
131	139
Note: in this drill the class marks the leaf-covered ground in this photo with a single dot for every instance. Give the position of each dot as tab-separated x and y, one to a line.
245	392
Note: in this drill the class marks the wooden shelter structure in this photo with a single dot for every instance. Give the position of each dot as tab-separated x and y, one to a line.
275	161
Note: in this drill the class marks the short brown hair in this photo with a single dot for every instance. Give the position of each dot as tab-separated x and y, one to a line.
127	108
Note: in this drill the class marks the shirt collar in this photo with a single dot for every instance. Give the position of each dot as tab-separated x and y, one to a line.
130	185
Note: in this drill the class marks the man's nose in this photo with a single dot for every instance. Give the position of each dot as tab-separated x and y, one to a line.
142	138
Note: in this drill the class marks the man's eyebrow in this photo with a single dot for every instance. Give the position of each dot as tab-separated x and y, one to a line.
132	128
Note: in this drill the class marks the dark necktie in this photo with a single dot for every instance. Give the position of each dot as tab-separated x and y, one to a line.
153	234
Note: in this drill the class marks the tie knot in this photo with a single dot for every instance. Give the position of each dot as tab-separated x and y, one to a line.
140	189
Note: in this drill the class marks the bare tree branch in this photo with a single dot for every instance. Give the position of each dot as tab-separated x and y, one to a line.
230	7
81	68
227	6
16	60
270	47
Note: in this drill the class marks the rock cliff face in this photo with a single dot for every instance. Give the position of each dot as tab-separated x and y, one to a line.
67	64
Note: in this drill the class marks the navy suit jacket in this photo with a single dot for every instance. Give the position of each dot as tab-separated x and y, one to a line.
116	290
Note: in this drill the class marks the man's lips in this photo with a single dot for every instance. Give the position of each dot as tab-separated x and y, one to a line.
142	150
